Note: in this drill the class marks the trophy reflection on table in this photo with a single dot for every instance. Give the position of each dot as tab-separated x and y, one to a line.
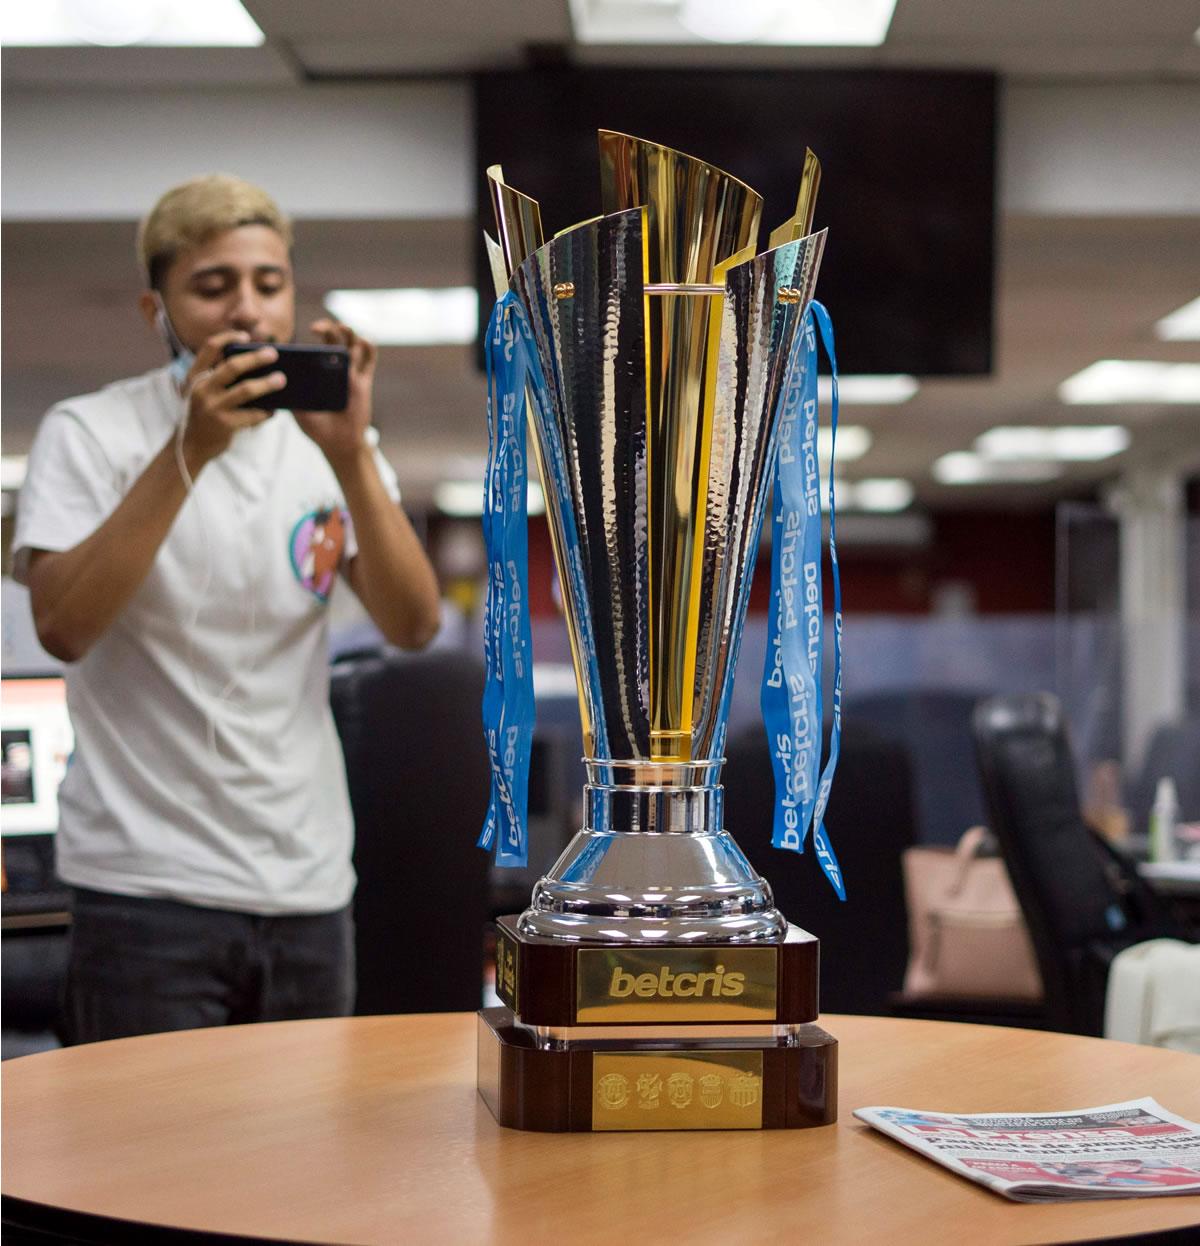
651	983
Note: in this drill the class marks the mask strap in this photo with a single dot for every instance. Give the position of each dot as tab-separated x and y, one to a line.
163	323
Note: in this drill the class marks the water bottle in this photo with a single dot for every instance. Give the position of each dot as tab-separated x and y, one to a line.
1164	817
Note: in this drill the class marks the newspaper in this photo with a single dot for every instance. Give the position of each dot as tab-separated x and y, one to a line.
1122	1150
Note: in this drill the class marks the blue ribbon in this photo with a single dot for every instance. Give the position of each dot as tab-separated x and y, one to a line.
792	675
508	704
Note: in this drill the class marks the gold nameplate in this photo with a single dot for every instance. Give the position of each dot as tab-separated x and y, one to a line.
675	984
680	1090
506	969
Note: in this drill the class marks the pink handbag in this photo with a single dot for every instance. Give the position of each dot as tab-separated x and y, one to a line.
967	936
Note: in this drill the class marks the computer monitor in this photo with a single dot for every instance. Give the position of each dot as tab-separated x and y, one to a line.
36	742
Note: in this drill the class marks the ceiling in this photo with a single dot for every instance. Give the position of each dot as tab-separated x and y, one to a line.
1069	290
312	40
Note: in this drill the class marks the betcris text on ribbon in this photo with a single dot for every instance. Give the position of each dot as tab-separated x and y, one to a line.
508	705
513	829
515	606
792	678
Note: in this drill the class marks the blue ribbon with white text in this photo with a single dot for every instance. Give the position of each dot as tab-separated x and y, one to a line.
508	705
792	674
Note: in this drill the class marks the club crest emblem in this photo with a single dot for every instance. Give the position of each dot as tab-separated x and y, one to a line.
743	1090
613	1090
649	1088
712	1087
680	1088
315	549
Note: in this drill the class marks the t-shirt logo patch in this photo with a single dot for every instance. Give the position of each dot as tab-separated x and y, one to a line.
316	548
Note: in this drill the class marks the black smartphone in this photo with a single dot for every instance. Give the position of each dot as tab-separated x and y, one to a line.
318	377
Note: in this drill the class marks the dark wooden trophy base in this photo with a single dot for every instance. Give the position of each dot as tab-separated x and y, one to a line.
597	1037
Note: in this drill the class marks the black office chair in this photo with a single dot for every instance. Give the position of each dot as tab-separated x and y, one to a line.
934	725
35	948
418	775
864	941
1083	903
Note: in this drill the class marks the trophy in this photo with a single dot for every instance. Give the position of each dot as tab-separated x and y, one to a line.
652	983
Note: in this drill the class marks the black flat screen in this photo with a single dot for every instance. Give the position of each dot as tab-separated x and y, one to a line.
907	189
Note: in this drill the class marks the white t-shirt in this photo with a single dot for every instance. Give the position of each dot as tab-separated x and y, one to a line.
207	767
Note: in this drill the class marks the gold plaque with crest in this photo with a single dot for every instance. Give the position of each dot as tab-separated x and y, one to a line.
677	1090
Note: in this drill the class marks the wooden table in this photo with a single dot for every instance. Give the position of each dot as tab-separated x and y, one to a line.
369	1130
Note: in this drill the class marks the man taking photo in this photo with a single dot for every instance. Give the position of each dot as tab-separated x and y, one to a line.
180	545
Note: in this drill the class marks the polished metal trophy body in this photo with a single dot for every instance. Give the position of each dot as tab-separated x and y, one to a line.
652	984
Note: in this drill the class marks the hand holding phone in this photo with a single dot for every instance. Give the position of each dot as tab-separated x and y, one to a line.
318	377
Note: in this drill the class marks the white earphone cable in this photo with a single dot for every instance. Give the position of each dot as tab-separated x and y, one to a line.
223	697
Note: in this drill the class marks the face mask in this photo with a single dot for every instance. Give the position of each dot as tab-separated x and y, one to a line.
181	365
181	358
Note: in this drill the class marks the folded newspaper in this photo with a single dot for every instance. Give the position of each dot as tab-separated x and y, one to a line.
1119	1151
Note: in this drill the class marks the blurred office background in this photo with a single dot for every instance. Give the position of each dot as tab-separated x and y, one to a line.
1015	189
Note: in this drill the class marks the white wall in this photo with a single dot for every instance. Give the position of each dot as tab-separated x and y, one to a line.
105	154
406	149
1130	149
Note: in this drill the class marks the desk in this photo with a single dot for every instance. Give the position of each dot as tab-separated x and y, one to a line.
1173	878
369	1130
1178	884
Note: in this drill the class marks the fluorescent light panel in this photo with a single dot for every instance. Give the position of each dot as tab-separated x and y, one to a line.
120	23
963	467
868	391
463	499
812	23
853	441
1081	443
880	495
1182	325
1133	380
12	471
413	317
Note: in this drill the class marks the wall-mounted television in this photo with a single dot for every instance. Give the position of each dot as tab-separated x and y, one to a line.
908	188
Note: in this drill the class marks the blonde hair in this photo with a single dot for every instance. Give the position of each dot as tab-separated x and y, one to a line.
190	214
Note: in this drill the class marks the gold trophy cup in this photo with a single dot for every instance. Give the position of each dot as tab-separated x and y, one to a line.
652	984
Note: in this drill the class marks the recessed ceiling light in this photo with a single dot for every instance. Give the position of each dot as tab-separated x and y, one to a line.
414	317
464	498
815	23
119	23
12	471
868	391
853	441
878	494
1133	380
1079	443
882	494
962	467
1182	325
722	22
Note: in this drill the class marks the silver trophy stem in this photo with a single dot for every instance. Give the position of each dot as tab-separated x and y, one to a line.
653	862
663	797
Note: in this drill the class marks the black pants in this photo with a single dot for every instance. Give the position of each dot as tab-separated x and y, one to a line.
138	966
